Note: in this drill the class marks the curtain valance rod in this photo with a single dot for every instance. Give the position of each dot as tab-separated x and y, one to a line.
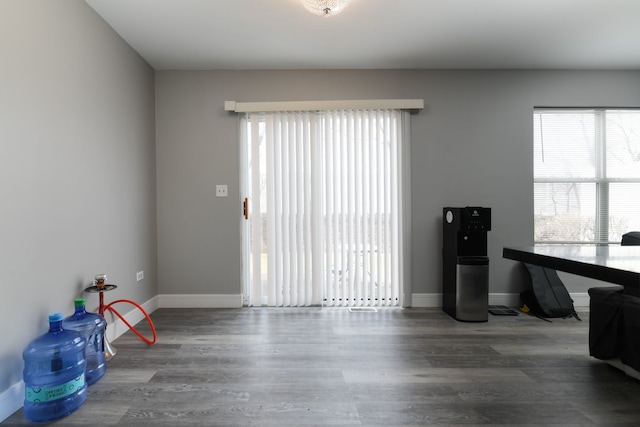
413	105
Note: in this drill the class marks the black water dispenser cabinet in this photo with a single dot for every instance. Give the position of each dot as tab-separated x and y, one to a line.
465	284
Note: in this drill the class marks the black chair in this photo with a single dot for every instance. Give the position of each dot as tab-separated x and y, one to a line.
630	353
614	320
631	238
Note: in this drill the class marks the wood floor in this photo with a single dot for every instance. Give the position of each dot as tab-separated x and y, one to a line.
395	367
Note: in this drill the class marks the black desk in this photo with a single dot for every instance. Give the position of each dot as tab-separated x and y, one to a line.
614	264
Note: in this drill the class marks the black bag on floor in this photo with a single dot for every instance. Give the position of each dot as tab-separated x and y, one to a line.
548	297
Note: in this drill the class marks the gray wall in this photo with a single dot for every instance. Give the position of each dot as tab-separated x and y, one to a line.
472	145
77	168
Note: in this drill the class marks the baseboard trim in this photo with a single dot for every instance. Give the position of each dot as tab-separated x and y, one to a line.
11	400
200	301
580	300
426	300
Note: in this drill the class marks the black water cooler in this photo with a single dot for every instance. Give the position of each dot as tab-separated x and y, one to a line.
465	285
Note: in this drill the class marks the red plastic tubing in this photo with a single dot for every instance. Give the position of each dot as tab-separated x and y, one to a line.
142	337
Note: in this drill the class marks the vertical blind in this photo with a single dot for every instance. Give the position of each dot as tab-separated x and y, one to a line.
325	195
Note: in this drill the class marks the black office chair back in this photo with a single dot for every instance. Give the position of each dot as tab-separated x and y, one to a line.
631	238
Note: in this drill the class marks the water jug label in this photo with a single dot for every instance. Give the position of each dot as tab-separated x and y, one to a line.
38	394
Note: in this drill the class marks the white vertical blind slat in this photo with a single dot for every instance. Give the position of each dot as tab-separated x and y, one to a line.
255	229
286	210
348	196
396	154
293	210
370	126
388	207
316	179
339	217
344	227
271	174
358	210
279	213
329	212
301	230
308	223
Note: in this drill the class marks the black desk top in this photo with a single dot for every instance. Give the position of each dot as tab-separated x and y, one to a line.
614	264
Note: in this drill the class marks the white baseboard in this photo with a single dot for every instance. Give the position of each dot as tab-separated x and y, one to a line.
580	300
117	327
426	300
435	300
11	400
200	301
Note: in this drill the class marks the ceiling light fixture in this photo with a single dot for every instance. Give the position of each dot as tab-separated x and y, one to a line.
325	8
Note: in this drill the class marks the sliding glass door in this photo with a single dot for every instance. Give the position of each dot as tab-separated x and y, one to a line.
324	208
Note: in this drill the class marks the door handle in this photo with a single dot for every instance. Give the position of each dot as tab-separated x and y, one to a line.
246	208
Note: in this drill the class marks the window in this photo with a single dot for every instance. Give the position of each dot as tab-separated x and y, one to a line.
586	175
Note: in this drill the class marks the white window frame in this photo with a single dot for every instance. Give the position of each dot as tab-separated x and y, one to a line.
601	180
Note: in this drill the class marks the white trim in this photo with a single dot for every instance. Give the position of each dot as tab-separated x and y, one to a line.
580	300
361	104
617	363
510	300
433	300
11	400
426	300
200	301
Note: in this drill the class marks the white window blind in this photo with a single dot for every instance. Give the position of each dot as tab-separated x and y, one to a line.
326	202
586	175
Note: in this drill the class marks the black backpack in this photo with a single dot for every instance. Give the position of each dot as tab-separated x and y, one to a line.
548	297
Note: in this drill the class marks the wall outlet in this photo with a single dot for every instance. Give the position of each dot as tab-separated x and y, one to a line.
221	191
139	275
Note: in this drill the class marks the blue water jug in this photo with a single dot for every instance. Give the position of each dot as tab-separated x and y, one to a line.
54	366
92	327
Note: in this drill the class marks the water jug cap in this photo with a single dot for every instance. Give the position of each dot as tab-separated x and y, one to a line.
55	317
79	302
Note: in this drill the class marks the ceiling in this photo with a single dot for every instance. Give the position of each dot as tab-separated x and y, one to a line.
380	34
